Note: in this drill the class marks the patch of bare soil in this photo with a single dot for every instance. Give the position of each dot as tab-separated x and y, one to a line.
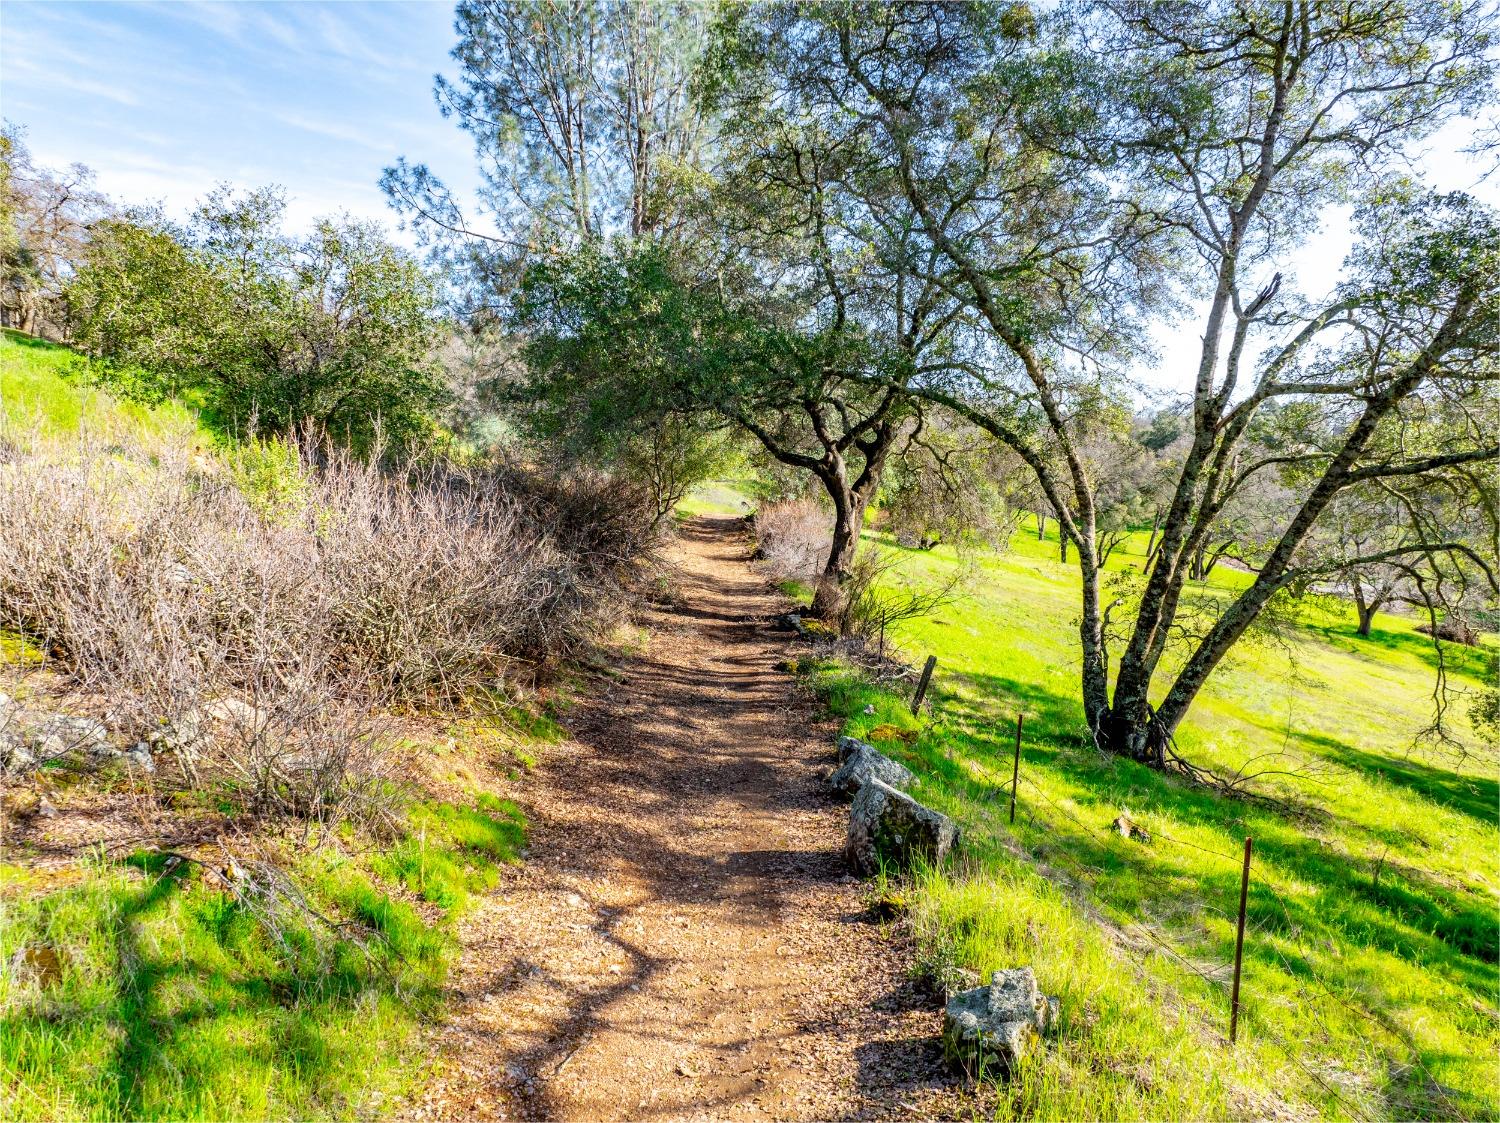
683	940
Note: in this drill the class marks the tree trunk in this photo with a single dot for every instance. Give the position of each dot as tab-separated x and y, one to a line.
1062	548
849	503
1041	526
828	598
1367	608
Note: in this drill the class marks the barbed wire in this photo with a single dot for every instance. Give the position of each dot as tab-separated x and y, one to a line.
1266	1032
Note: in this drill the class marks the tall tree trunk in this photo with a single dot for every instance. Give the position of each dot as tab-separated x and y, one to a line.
1095	671
849	503
1062	548
1041	526
828	598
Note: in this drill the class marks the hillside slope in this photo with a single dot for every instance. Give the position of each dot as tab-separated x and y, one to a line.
45	387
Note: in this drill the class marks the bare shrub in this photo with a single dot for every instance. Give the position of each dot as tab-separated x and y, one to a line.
254	639
875	600
794	537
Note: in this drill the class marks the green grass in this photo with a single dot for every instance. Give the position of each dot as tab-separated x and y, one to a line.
174	1002
1383	991
172	999
46	386
734	497
452	852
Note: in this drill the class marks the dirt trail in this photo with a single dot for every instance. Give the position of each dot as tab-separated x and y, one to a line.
682	941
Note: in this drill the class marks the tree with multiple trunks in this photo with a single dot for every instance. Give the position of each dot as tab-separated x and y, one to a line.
1063	168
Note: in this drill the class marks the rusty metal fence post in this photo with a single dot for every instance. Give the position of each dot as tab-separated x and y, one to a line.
1015	771
1239	948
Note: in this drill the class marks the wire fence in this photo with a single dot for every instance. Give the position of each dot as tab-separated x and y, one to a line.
1215	973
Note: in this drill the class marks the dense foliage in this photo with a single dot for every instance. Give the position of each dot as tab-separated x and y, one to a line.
269	331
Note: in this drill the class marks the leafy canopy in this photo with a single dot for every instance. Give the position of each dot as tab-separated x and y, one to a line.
267	330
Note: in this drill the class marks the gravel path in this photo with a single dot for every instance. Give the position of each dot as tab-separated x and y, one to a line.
682	941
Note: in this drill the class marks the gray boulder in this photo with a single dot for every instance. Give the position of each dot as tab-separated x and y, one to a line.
183	736
139	756
237	714
847	745
886	825
63	733
16	756
865	764
989	1029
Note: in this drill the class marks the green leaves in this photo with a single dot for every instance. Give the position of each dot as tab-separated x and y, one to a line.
272	331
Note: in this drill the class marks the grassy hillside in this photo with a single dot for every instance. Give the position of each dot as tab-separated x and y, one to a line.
45	387
150	975
1370	976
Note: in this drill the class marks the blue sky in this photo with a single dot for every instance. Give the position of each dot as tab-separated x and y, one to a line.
163	100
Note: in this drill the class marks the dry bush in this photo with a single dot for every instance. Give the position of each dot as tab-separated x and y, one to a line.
874	600
251	625
794	537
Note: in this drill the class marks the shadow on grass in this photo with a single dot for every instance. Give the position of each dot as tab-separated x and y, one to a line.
1475	796
1303	937
1475	662
177	1001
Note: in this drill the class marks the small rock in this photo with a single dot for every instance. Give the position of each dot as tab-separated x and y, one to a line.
1129	828
888	906
70	732
574	900
888	826
235	712
516	1073
182	735
990	1029
40	964
865	764
44	808
15	756
870	708
139	756
175	573
848	745
48	747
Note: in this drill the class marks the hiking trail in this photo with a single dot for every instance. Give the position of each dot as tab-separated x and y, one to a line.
683	940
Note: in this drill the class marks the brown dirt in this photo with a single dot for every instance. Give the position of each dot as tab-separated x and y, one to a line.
683	941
